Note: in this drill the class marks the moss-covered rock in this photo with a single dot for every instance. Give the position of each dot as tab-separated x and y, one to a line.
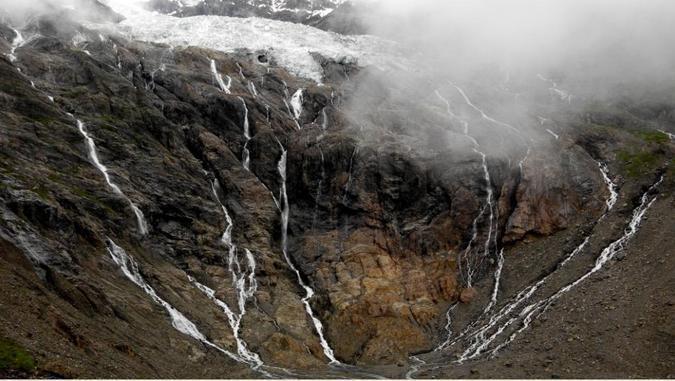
14	357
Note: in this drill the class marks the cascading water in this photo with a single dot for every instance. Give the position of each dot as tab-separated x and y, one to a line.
93	155
224	87
472	267
555	90
611	187
490	205
309	292
533	311
479	344
498	276
495	121
182	324
246	159
671	136
16	43
245	284
151	86
241	72
252	89
556	136
474	263
483	114
324	120
296	103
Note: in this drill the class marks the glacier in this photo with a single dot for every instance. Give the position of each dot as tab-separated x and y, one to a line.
291	45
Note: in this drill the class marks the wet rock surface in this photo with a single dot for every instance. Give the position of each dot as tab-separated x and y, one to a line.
379	224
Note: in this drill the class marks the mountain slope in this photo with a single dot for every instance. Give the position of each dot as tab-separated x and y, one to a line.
289	223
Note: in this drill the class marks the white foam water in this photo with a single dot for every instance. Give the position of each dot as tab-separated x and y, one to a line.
533	311
611	187
246	159
472	267
182	324
224	87
309	292
16	43
296	103
93	155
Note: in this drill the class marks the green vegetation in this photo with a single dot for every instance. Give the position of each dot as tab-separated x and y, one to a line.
640	163
76	92
42	191
653	137
14	357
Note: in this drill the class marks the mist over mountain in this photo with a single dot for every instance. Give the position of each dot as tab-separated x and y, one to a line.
336	189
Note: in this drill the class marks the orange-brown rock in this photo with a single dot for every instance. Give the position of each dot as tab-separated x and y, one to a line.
468	295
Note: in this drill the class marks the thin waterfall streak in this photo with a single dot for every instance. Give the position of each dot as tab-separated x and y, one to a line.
246	155
309	293
130	269
239	281
219	79
93	156
532	311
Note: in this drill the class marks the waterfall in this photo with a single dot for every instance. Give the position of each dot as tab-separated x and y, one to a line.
182	324
219	79
556	136
670	135
244	282
246	159
483	114
16	43
296	103
533	311
554	90
611	187
530	312
523	295
309	293
252	89
324	120
490	205
93	155
151	85
241	72
498	276
489	201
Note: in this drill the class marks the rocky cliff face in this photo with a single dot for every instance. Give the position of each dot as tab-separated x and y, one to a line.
384	225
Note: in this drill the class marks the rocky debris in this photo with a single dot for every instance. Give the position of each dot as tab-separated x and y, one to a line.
468	295
378	215
552	191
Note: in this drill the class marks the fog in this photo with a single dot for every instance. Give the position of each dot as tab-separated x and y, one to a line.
519	61
622	38
19	12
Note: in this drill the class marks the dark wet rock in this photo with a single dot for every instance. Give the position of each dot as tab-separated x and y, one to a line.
378	215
